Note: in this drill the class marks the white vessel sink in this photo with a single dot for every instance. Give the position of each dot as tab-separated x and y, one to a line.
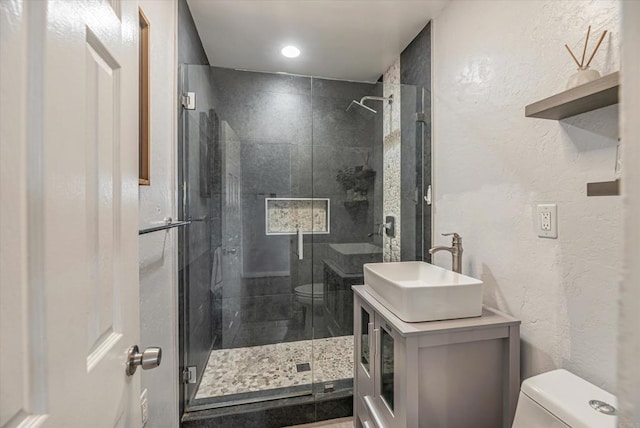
419	291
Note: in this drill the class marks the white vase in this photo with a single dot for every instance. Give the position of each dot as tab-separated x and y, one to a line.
582	76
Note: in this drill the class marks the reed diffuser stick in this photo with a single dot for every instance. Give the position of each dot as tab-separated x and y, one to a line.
573	56
597	47
586	42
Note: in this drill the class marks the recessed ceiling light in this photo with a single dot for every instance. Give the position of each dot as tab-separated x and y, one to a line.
290	51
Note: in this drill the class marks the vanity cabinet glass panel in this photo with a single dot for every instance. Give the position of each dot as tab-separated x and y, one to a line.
364	336
386	362
365	330
378	346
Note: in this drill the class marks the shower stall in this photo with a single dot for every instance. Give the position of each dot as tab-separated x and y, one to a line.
285	188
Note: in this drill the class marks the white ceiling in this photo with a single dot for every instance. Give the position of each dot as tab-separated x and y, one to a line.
339	39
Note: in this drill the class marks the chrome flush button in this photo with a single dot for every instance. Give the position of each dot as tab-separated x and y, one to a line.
603	407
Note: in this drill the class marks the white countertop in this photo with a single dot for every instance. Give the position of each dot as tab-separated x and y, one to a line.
490	318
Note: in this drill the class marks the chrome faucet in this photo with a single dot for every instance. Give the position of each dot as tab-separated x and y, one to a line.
388	228
381	227
455	249
378	232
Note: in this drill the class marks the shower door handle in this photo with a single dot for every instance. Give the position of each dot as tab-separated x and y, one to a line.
300	251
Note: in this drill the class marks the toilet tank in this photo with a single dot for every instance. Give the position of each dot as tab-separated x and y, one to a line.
560	399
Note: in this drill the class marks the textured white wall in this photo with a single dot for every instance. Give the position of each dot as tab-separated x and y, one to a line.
158	286
492	166
629	334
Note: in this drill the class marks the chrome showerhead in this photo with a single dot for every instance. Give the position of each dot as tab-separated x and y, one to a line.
361	108
364	110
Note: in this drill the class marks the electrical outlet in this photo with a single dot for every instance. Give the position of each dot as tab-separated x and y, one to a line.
547	221
144	407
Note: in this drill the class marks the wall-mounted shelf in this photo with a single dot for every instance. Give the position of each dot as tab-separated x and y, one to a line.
600	93
604	188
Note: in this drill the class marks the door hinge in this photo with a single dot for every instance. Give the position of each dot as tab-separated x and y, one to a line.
189	375
421	117
427	197
189	100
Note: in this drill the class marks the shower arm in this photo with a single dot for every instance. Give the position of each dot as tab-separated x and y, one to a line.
373	98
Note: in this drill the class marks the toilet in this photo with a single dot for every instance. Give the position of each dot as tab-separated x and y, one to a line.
310	296
560	399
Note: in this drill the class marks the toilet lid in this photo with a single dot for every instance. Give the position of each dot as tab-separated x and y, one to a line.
567	397
317	289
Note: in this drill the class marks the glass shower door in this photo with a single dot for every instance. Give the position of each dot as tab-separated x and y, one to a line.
368	161
245	182
199	173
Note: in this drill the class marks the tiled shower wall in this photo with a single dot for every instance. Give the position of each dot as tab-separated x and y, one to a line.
277	117
407	150
295	135
415	70
190	50
342	139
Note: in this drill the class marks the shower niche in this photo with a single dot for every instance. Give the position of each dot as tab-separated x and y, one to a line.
289	216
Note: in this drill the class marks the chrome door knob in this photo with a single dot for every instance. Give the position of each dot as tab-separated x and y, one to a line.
149	359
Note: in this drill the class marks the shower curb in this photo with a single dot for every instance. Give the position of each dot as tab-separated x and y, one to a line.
274	414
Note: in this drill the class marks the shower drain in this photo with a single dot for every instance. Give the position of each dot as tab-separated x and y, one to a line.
303	367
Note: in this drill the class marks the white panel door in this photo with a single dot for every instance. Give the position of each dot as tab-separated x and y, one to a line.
69	248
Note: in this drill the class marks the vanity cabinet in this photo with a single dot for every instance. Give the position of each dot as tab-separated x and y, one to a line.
455	374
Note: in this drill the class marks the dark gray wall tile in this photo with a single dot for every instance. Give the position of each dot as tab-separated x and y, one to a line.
190	50
277	119
333	125
415	69
415	60
253	82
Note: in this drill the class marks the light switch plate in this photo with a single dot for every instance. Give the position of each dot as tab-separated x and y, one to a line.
547	221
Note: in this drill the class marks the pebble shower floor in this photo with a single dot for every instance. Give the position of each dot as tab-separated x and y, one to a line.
260	368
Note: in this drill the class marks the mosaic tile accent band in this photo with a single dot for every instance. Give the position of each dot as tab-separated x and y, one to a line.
391	162
285	216
261	368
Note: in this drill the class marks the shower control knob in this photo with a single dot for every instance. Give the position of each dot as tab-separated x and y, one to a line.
149	359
